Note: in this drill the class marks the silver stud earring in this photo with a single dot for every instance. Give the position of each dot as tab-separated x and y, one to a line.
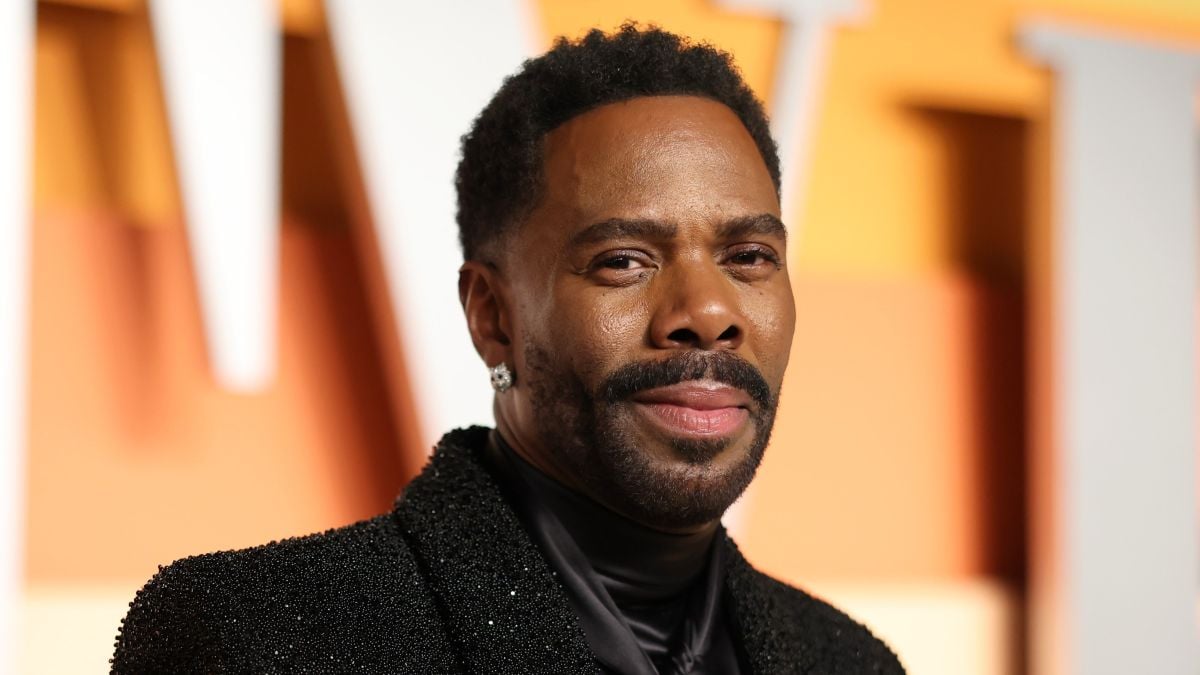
502	378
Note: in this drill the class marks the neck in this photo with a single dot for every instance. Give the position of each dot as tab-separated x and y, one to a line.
637	563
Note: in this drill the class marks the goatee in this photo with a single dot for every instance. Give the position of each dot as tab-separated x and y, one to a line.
591	433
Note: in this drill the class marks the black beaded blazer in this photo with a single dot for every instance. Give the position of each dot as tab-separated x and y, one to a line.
448	582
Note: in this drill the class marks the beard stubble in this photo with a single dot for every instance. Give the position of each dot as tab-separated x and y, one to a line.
590	434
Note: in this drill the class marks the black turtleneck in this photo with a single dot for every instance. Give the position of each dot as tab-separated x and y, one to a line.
649	602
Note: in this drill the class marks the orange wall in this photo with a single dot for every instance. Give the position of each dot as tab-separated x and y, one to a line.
899	451
135	456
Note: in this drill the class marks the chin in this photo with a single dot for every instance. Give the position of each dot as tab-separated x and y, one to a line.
711	454
688	495
676	482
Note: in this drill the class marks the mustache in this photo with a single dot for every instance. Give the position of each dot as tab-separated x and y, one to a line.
724	367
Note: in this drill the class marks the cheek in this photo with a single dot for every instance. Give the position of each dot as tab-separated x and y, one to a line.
773	321
603	329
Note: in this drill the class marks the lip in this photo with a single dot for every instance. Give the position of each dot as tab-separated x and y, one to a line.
696	409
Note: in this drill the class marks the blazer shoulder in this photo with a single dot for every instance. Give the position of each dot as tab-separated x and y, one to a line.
297	565
795	631
350	596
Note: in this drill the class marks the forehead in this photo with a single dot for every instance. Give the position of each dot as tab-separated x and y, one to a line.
675	158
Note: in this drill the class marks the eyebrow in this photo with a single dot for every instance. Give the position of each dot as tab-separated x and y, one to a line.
616	228
763	224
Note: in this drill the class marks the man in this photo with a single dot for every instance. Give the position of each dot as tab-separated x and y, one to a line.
625	280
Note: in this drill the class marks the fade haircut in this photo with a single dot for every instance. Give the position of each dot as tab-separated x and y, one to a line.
499	178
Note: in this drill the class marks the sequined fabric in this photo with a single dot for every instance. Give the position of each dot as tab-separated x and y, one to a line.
448	582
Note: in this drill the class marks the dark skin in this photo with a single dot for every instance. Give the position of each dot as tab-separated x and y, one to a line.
658	232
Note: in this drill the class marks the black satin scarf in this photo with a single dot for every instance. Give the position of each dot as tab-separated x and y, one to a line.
649	602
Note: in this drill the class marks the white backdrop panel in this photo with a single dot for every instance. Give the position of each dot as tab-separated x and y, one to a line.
1123	277
415	75
220	62
798	88
16	102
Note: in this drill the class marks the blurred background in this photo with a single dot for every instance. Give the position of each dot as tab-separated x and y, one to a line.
228	310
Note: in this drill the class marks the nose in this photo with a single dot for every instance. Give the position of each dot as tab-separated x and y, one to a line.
697	308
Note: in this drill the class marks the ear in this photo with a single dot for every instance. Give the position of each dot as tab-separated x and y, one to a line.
483	302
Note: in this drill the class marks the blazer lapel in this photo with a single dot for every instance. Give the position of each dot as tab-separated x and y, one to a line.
503	608
770	643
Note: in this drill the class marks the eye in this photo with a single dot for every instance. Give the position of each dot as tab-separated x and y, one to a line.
619	262
620	267
747	258
756	256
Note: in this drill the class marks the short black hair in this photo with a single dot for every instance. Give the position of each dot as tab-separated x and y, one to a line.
499	177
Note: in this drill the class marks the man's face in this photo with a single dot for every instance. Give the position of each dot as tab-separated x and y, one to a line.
651	310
